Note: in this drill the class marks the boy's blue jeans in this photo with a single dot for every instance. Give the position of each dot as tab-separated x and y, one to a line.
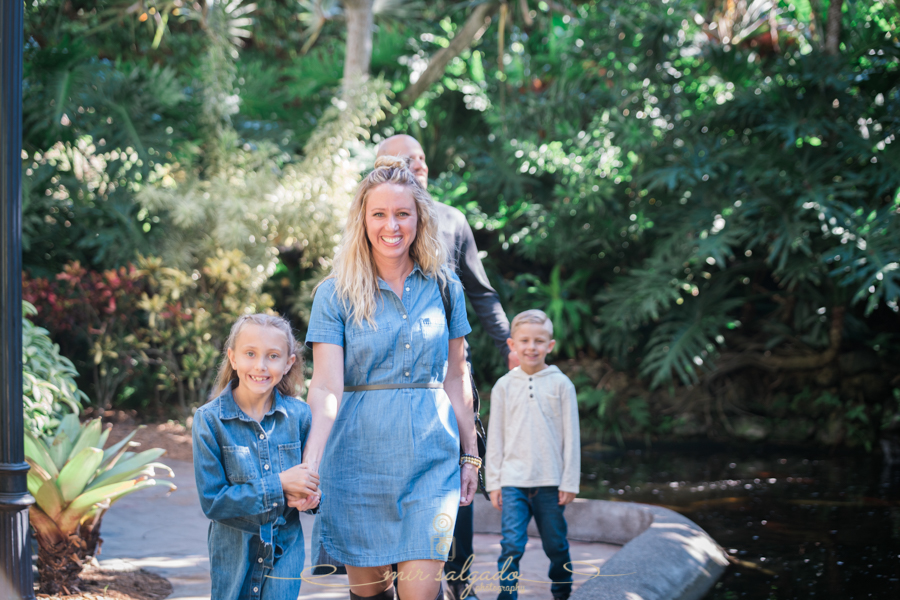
519	504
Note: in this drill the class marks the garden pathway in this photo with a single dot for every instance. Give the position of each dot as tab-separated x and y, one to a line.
167	535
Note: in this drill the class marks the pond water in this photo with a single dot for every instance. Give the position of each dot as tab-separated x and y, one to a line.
810	523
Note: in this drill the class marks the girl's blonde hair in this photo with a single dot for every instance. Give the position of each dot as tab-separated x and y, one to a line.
354	272
292	381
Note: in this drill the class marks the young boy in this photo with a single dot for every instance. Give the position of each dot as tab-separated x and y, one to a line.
533	462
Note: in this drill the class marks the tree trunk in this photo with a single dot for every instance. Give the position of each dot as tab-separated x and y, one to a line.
59	556
833	29
359	41
787	363
473	27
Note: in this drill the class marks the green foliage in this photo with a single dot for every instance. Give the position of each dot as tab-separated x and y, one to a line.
612	416
150	320
569	314
678	184
49	390
186	319
258	200
691	180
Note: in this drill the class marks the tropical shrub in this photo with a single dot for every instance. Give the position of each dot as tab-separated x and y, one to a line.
149	322
74	482
49	390
88	311
185	319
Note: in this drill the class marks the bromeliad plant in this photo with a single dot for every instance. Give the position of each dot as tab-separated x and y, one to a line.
74	482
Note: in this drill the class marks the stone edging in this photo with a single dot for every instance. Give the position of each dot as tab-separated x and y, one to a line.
664	555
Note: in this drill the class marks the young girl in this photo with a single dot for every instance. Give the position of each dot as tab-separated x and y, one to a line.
248	443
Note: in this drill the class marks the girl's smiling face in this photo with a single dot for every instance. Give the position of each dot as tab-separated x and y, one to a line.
391	221
260	358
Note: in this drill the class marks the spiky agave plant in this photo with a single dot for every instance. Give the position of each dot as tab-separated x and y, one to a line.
74	481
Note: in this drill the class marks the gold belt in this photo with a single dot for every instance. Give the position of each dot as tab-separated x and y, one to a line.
392	386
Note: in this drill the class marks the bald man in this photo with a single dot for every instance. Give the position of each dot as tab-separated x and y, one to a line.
464	258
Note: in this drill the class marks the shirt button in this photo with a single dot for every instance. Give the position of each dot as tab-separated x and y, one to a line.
275	505
255	589
404	316
406	374
262	436
531	395
407	289
257	560
407	345
266	467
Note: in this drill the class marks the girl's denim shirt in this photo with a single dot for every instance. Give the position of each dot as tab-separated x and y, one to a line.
236	465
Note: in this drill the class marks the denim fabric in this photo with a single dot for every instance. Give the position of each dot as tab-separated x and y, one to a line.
519	504
254	536
389	474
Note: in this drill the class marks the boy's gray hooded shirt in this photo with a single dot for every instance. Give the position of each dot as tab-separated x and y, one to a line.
533	435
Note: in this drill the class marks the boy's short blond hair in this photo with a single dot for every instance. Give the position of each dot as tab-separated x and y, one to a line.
535	316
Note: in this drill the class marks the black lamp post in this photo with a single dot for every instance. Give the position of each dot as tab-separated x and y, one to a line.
15	549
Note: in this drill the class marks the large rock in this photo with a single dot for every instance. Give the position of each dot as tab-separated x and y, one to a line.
665	556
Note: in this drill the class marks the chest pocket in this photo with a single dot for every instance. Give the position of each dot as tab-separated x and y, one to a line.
371	352
239	464
290	455
550	406
432	345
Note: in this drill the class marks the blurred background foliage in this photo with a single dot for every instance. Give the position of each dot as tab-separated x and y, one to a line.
703	194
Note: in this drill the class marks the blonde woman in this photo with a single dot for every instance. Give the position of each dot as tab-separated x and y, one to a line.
389	395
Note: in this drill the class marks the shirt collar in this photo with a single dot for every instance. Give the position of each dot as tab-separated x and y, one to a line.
551	369
228	408
382	284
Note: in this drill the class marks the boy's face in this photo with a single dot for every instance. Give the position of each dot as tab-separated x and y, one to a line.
531	342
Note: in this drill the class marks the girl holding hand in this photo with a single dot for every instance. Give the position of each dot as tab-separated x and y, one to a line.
248	446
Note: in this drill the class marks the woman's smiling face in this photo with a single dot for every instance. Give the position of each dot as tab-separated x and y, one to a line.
391	221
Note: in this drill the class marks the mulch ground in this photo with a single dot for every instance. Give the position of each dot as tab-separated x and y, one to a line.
173	436
101	584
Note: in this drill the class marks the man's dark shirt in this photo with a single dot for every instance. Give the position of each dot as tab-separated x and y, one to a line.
465	261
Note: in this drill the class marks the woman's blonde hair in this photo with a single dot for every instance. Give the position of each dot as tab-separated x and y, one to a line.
354	272
292	381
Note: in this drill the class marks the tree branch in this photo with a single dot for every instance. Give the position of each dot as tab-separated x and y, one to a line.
474	25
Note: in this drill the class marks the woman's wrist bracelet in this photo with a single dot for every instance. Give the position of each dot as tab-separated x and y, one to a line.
470	459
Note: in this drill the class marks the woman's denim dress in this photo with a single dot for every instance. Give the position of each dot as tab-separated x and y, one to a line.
254	536
390	471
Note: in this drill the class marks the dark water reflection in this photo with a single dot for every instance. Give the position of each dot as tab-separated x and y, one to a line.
798	523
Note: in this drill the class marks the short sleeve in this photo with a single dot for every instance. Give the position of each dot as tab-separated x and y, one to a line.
326	321
459	321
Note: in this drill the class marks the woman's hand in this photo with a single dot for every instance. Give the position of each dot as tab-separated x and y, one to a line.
299	480
468	483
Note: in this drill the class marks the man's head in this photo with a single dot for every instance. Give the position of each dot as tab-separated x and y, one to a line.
531	338
407	147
